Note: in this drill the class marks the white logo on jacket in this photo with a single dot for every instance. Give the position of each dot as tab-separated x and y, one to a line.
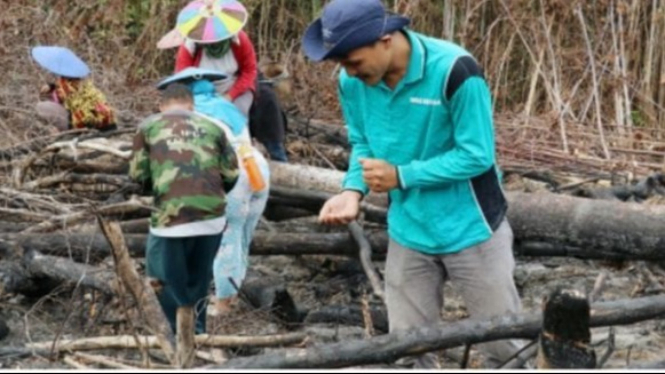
425	101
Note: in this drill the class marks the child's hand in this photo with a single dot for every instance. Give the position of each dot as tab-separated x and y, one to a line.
45	89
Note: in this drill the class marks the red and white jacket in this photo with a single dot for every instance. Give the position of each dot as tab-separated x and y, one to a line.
243	51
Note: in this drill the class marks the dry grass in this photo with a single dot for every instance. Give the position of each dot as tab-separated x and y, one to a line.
574	77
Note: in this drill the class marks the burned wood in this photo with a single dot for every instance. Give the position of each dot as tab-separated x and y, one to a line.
348	315
595	228
15	279
565	337
66	270
334	134
650	186
390	347
264	294
588	227
39	274
314	200
297	244
277	212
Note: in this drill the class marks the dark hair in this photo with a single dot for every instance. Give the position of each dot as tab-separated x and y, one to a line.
177	92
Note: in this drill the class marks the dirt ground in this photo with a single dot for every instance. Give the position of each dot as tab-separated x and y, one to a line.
70	314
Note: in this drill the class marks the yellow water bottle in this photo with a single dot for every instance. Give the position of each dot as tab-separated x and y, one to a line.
256	181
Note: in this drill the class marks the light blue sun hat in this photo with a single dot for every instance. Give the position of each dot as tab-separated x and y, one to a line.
60	61
192	74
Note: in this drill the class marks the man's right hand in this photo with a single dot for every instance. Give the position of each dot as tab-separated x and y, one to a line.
341	208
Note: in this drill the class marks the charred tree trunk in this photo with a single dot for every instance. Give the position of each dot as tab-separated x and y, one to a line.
387	348
564	341
595	228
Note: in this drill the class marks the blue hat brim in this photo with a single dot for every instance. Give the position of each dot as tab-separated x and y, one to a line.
191	74
314	46
60	61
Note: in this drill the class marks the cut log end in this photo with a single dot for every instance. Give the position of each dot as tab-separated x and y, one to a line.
565	337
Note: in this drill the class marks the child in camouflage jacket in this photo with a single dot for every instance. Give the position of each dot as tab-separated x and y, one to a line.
190	166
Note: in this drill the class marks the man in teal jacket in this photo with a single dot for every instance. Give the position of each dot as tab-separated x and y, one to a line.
419	117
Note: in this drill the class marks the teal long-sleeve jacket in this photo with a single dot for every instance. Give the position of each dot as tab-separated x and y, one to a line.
436	126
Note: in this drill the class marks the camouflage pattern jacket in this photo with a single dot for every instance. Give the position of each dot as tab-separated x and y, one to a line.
188	163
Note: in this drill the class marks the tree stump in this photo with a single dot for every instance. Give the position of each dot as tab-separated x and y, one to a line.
565	336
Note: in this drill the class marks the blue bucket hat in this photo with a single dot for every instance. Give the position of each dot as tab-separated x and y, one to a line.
192	74
60	61
346	25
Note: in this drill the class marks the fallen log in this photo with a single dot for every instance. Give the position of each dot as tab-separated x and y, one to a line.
66	270
130	342
387	348
335	134
15	279
295	244
601	229
314	200
278	212
39	274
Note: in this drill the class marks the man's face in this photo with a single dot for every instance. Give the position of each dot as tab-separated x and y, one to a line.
369	63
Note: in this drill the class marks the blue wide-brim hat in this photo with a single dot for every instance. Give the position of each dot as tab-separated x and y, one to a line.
346	25
60	61
192	74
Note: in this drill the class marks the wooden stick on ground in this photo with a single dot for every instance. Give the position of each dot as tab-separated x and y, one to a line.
69	360
185	349
129	342
366	259
141	290
102	360
74	218
211	357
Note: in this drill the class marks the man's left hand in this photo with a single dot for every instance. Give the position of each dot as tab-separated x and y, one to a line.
379	175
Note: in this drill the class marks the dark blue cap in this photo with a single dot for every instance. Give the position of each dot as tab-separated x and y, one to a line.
346	25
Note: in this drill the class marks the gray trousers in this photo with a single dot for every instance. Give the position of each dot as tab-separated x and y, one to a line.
482	274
